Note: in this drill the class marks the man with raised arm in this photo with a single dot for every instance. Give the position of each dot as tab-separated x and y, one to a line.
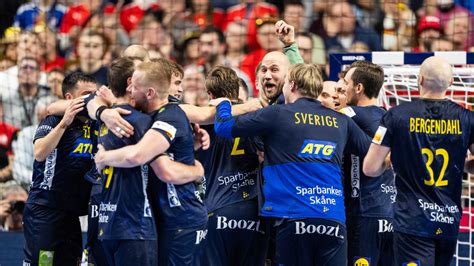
304	142
428	139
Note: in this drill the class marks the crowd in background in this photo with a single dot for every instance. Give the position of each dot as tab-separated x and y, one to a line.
44	40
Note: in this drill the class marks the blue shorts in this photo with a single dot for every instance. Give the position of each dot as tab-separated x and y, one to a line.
309	242
51	236
180	246
422	250
130	252
93	248
235	236
369	240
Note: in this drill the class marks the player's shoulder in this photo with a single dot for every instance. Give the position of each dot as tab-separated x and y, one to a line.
170	112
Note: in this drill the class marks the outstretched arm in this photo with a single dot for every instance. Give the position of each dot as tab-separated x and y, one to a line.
176	173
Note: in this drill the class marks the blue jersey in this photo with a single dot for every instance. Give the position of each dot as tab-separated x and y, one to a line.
179	206
30	14
428	141
124	212
304	144
58	182
367	196
231	169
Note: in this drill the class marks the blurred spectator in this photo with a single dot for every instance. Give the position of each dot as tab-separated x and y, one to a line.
305	46
77	15
148	33
212	47
445	9
11	208
204	14
23	145
9	44
236	44
132	14
91	48
19	103
429	29
441	44
189	49
29	44
55	79
43	13
368	13
243	91
341	18
268	42
398	26
48	41
7	13
293	14
193	83
457	29
249	11
7	135
176	19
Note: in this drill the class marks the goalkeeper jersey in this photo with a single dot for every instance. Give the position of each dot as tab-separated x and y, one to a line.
304	143
428	141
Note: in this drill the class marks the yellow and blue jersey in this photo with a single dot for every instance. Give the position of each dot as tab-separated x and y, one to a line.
58	182
428	141
178	206
304	144
124	211
367	196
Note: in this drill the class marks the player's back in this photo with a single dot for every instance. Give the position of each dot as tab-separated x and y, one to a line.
231	167
124	212
367	196
179	206
429	140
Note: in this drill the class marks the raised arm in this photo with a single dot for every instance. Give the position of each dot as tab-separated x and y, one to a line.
375	162
45	145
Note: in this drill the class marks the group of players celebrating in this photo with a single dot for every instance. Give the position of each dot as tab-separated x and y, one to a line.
287	179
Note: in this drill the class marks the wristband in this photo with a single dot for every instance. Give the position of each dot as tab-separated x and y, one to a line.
99	111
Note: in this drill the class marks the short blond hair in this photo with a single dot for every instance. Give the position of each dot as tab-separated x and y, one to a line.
156	76
307	79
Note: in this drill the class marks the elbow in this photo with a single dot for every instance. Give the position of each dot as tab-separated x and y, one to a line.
369	170
39	155
134	158
50	110
167	177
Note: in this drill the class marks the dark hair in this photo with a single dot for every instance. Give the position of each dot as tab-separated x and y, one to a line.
293	3
71	80
119	71
370	75
223	82
305	34
212	29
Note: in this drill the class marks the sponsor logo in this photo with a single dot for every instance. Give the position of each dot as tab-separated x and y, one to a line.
361	261
223	223
355	176
328	230
200	236
353	58
49	168
439	213
167	128
385	226
317	149
46	258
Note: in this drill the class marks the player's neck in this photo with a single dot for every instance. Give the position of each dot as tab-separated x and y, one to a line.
122	100
364	101
157	104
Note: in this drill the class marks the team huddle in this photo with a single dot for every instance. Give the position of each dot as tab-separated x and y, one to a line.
311	173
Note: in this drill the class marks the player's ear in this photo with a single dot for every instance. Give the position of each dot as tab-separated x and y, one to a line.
68	96
151	92
129	81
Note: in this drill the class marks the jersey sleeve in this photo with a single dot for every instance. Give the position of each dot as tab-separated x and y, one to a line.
257	123
358	142
46	126
384	134
170	126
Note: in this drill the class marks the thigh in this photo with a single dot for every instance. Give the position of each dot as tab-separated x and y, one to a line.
136	252
413	249
180	246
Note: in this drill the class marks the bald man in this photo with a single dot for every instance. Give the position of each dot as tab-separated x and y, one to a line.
428	139
272	75
328	95
136	52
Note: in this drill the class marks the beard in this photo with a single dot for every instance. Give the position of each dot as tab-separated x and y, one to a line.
272	91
